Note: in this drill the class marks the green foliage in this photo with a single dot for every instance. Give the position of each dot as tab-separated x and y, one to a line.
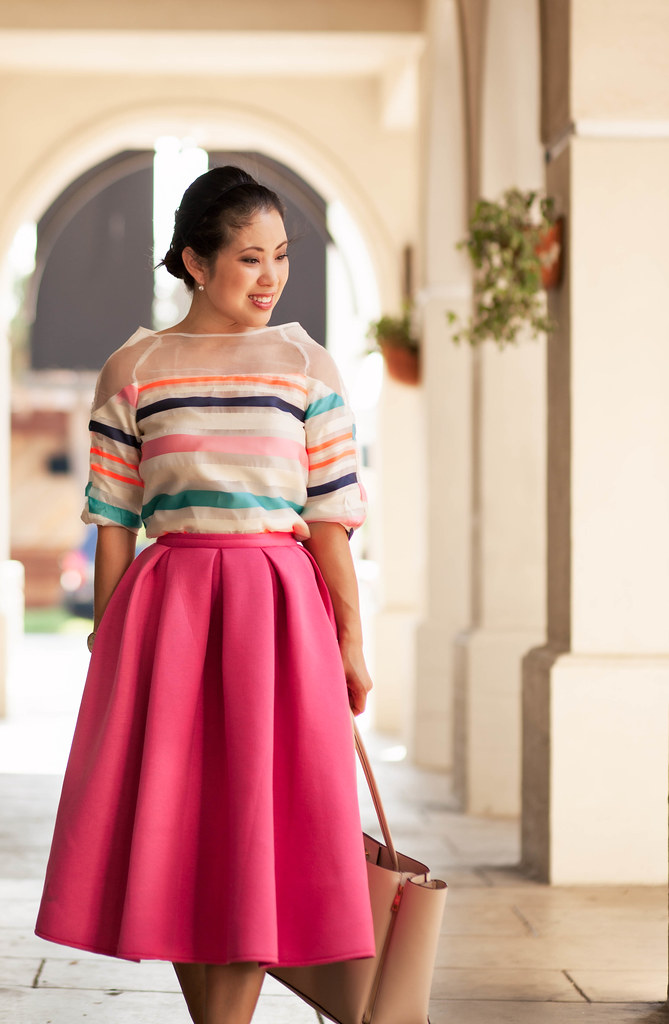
19	327
508	292
55	619
394	331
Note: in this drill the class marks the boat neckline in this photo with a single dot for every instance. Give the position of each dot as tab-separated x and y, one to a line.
219	334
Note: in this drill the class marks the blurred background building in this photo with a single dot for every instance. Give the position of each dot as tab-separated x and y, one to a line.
518	545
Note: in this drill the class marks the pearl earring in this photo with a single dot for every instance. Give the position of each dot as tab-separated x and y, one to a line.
200	287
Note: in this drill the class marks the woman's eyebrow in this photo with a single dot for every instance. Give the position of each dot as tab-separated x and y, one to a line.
259	248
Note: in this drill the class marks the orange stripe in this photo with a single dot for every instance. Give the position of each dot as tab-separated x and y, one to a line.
123	479
335	440
280	381
114	458
335	458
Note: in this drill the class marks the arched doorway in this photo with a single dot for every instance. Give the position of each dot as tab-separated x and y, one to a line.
92	287
93	279
369	258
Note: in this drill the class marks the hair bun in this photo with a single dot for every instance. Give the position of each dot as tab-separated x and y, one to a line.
174	264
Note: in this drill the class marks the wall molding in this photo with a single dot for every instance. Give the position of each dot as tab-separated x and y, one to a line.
607	129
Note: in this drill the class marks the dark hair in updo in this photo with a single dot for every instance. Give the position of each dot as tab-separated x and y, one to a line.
213	208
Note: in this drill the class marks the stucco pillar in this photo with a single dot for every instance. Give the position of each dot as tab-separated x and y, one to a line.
11	573
508	456
444	277
595	698
4	507
399	545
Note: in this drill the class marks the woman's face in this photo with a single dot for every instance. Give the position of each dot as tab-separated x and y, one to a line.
248	276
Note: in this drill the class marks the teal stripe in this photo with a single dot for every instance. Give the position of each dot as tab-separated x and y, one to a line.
333	401
118	515
216	499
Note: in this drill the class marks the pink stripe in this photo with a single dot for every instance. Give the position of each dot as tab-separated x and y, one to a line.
128	394
271	446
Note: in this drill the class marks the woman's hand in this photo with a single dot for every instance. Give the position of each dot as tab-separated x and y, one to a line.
358	679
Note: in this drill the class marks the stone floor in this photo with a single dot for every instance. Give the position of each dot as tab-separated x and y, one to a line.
511	951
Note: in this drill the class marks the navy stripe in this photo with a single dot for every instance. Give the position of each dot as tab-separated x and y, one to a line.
116	435
267	401
334	485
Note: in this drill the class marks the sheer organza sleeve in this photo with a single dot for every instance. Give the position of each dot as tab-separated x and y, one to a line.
115	489
334	488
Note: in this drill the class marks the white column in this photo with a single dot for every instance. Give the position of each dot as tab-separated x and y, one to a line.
508	453
595	698
401	480
11	573
5	629
445	504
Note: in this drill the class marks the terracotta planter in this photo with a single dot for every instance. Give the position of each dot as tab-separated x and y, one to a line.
550	251
403	363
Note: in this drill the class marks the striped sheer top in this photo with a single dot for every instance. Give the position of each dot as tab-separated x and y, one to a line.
225	433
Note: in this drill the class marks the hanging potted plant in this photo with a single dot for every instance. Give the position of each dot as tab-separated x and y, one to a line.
515	245
394	337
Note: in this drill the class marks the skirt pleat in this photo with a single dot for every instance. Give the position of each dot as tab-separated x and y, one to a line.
209	811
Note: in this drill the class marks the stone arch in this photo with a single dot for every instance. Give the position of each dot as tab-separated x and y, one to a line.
214	125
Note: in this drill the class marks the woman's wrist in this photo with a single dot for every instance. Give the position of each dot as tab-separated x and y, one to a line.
90	640
350	636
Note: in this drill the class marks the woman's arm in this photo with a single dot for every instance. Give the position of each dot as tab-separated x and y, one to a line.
329	546
114	553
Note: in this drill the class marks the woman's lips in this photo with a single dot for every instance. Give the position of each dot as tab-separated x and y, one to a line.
262	301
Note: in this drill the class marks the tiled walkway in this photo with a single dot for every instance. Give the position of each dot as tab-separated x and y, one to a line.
511	952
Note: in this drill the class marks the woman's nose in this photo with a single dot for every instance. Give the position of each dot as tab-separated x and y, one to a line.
268	274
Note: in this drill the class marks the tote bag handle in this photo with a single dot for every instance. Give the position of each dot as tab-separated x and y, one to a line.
376	798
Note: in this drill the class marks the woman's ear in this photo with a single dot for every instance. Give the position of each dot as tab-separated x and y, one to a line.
193	265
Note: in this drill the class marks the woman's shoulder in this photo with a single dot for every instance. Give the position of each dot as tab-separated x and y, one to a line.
319	362
118	370
131	348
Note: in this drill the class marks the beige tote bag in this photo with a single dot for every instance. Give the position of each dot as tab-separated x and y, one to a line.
407	906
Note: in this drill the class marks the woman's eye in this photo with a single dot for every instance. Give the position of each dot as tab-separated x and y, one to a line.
254	259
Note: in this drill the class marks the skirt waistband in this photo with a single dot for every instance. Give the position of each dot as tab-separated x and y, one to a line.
226	540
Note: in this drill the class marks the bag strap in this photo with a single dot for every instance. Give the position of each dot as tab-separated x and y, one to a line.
376	798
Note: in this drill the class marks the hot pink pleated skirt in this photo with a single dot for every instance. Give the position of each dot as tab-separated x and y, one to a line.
209	810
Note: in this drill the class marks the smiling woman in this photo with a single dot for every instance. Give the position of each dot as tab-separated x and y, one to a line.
253	269
213	750
213	210
229	248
